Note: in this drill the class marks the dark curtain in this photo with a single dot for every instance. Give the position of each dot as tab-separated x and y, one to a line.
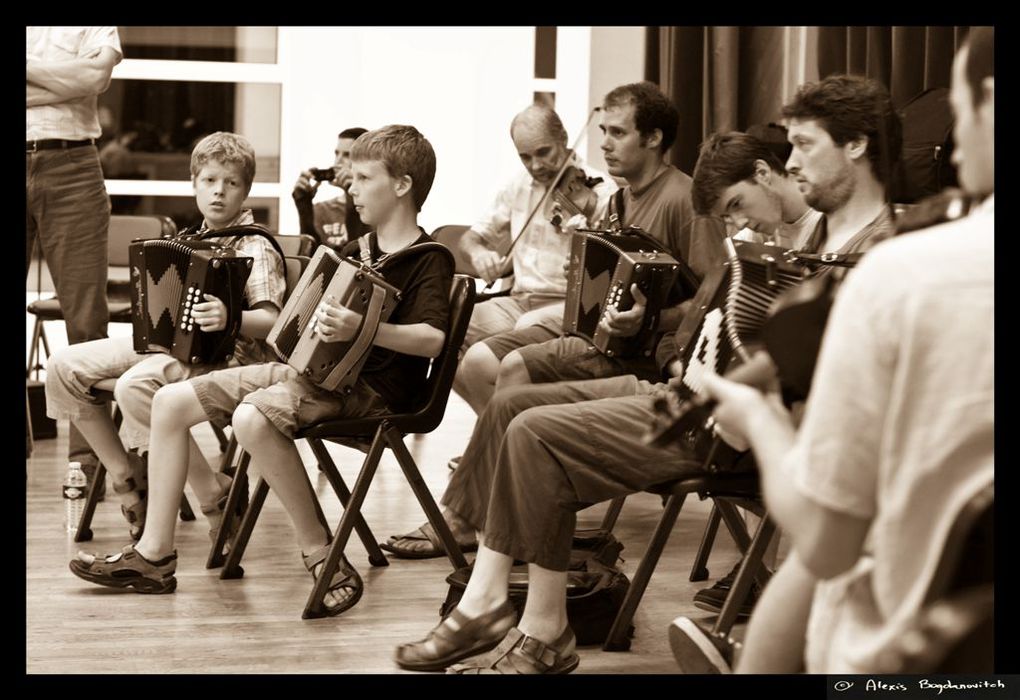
723	78
719	78
908	60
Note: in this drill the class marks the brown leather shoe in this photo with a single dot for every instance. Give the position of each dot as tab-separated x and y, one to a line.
457	637
523	655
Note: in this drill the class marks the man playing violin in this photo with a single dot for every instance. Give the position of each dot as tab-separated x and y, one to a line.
536	261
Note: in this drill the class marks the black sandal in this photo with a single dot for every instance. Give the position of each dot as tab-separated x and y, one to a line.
345	578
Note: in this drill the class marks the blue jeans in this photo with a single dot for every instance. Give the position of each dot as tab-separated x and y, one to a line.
68	211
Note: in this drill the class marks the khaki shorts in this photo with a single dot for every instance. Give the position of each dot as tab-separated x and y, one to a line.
288	400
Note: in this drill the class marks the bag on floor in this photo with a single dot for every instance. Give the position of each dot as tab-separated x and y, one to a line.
595	586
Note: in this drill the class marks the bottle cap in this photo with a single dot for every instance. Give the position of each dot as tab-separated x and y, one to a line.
74	465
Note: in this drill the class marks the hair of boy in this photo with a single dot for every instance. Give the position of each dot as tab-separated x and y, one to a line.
848	107
225	147
652	110
404	151
352	133
980	45
725	159
542	117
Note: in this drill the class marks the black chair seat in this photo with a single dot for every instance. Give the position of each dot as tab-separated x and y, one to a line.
46	309
49	310
720	484
120	311
363	429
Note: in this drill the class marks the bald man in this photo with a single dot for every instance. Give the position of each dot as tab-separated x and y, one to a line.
537	261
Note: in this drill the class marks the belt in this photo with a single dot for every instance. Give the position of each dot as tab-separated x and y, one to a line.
45	144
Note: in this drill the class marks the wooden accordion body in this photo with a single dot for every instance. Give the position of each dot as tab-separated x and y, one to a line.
603	265
168	277
333	366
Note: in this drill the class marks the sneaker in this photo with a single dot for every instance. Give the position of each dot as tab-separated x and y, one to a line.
90	474
454	463
712	599
699	651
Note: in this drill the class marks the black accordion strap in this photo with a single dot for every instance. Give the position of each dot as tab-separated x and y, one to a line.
240	232
838	259
415	250
616	210
365	250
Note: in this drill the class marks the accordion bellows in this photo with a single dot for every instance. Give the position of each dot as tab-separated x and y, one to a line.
168	278
602	268
333	366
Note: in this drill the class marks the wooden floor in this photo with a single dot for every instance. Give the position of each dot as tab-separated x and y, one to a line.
254	625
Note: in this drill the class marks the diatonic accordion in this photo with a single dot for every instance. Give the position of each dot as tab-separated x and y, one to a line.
333	366
168	277
603	265
727	317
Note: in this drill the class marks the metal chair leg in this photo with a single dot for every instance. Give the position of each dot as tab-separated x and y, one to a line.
619	633
428	504
612	513
699	570
750	568
232	564
315	607
328	467
238	490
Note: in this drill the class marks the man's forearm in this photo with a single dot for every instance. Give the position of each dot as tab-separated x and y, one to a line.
772	436
472	243
36	95
75	78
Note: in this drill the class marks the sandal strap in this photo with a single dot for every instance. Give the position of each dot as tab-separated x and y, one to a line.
520	653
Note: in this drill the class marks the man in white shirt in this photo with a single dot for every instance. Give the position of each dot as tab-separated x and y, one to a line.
66	204
537	260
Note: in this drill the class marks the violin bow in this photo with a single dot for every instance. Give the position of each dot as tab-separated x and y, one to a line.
508	261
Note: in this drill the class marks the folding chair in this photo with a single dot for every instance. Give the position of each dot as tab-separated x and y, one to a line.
450	235
123	229
373	435
299	245
294	266
728	490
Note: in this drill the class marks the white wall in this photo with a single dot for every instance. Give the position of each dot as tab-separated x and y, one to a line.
459	86
617	57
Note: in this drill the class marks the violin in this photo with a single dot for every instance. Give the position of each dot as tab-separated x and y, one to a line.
948	205
573	194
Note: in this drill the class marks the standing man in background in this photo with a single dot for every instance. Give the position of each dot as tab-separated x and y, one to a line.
333	222
67	208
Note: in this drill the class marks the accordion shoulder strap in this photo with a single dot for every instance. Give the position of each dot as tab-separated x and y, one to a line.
365	249
839	259
410	251
240	232
616	210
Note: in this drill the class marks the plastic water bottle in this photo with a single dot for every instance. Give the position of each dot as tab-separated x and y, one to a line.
74	491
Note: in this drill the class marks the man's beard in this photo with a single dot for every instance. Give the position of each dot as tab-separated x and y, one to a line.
833	194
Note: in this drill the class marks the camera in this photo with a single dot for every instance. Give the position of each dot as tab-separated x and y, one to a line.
321	174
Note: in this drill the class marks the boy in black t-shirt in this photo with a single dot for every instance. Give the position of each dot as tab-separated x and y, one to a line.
267	403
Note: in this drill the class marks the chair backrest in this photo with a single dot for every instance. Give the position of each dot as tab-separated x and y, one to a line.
444	365
295	267
300	244
124	229
450	236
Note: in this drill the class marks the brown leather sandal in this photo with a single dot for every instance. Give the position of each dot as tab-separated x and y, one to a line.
345	579
457	637
139	483
520	654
